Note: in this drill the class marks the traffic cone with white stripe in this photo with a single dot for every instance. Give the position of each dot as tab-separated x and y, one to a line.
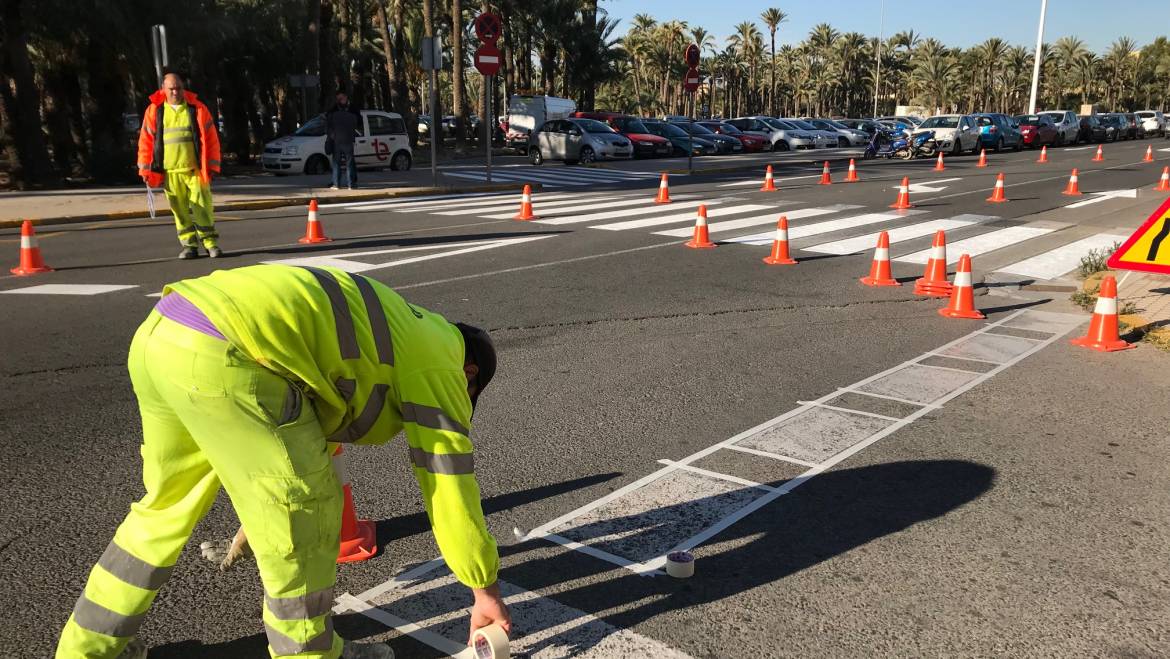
825	178
663	191
1043	155
1164	182
851	177
997	196
1100	157
938	164
358	538
313	231
1104	333
31	262
903	200
526	213
933	282
963	294
780	254
769	184
701	239
1149	153
982	158
879	271
1073	189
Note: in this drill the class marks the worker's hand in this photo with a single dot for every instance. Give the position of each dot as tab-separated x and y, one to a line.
227	552
489	609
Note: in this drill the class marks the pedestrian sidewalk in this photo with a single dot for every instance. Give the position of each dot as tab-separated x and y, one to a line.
1150	294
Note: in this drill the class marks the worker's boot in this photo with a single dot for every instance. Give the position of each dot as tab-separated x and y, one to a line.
214	252
189	253
135	649
353	650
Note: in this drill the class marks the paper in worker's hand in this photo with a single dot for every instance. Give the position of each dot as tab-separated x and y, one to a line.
150	201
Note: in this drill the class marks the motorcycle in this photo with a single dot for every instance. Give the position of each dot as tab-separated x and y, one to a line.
918	145
881	144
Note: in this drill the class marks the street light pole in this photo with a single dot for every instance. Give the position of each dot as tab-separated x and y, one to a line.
1036	64
877	80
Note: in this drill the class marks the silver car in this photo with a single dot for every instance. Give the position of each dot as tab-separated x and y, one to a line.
1068	125
578	140
846	136
824	139
1153	121
781	136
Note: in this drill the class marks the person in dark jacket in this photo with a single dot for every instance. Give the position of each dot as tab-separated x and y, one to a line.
342	124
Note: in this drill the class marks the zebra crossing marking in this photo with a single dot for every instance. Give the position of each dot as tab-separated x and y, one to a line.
901	234
569	176
1062	260
804	231
609	215
680	217
574	206
732	225
981	244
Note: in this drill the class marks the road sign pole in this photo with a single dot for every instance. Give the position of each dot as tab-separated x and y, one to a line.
436	130
488	89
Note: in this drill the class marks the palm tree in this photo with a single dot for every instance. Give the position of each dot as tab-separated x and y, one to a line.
773	17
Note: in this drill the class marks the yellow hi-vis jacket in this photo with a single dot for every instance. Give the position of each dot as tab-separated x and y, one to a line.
372	365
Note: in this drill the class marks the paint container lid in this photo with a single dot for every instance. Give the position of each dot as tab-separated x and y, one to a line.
680	564
491	642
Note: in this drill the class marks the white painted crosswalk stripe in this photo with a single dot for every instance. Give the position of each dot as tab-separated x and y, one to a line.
576	206
512	203
868	241
770	219
675	218
554	177
981	244
1062	260
609	215
380	203
807	230
496	200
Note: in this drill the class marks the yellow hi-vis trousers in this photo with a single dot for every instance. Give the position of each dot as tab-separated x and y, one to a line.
212	416
191	204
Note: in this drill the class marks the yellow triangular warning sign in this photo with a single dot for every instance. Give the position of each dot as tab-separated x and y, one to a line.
1148	249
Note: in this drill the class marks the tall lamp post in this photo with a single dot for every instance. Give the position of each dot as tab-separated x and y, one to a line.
1036	64
877	79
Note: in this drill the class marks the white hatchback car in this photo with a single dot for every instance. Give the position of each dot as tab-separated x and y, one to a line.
954	133
381	142
1153	121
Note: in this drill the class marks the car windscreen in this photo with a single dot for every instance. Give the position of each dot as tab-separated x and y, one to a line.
697	129
729	129
940	122
1146	115
1056	117
631	125
1028	120
593	126
803	125
985	121
315	127
668	130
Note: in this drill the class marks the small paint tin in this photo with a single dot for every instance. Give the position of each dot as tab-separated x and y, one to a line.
680	564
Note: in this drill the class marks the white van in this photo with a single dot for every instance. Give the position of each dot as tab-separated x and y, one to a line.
527	113
381	142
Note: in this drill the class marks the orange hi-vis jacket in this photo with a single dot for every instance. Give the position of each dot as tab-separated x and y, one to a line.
150	147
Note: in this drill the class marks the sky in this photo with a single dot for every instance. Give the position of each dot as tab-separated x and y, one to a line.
1015	22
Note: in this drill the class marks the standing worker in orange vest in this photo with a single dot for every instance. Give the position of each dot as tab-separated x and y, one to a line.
178	150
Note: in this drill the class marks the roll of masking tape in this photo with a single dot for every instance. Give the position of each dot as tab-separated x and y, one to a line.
680	564
491	643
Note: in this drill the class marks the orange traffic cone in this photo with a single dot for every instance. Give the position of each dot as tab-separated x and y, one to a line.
938	165
982	158
933	282
313	231
825	178
1073	189
701	239
1100	154
663	191
30	254
997	196
851	177
879	271
358	540
526	205
1164	182
1043	155
780	245
1104	333
962	295
769	184
903	200
1149	154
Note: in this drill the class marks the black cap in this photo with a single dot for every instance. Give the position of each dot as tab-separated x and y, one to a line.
482	352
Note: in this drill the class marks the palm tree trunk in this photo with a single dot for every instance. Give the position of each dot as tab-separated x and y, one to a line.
21	100
457	92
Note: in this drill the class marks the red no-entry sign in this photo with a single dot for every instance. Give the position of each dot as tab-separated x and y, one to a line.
691	81
487	59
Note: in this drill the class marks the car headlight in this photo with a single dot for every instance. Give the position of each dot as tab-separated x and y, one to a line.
290	151
642	143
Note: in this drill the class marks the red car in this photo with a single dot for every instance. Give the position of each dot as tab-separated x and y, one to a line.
1037	130
646	144
751	143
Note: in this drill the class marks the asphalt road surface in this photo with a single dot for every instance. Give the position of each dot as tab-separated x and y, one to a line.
856	475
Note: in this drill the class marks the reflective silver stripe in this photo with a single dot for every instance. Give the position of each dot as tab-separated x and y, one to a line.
213	163
431	417
362	424
97	618
282	644
302	607
342	319
143	165
347	387
378	323
451	464
177	140
149	130
175	129
133	570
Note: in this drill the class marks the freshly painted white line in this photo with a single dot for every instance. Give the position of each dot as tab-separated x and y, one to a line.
344	261
863	243
807	230
440	643
944	368
1081	148
68	289
888	397
1102	196
495	200
575	206
771	218
1056	262
721	476
769	454
403	200
981	244
159	294
550	180
713	214
936	353
847	410
513	204
760	181
928	186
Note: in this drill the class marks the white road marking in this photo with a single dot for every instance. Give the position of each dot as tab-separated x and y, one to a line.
981	244
807	230
513	197
403	200
929	186
68	289
344	261
760	181
1102	196
1056	262
869	241
712	212
575	206
608	215
772	218
1081	148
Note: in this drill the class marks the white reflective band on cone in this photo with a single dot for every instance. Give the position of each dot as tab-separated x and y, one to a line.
963	279
1106	306
938	253
782	234
526	198
881	254
700	221
491	643
662	184
27	242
